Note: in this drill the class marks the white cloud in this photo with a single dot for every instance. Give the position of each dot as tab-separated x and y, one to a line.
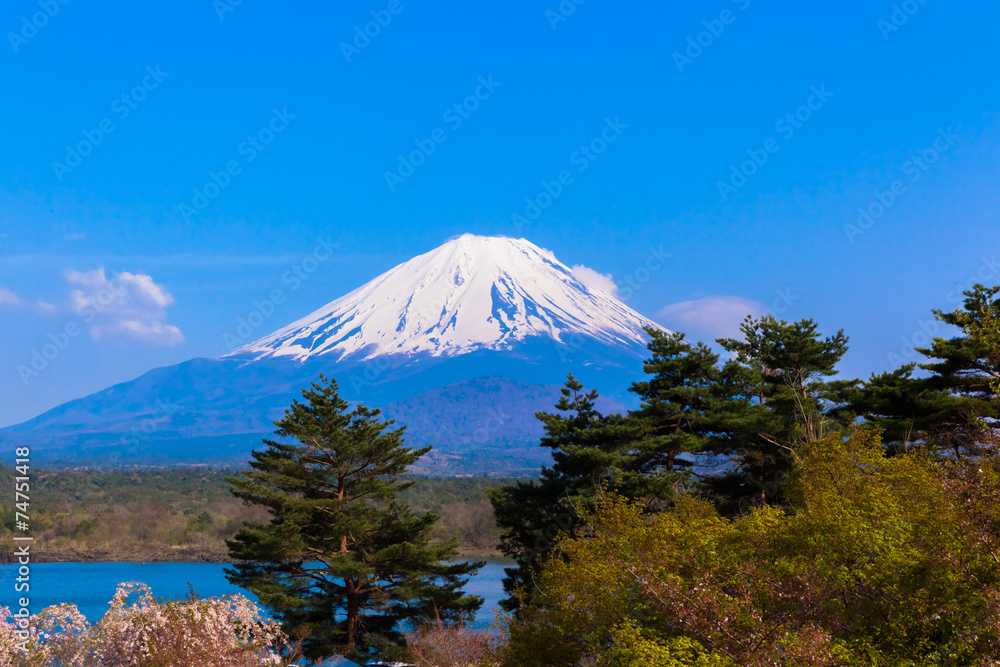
128	304
150	332
8	298
710	318
594	279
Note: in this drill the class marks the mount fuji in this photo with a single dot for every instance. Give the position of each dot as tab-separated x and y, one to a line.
473	293
463	344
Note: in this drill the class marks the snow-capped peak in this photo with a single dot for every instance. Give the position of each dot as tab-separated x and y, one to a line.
472	293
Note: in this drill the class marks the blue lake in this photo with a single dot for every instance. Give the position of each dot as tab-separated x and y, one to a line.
90	586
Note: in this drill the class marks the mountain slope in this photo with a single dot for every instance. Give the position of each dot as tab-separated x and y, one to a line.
481	426
480	327
472	293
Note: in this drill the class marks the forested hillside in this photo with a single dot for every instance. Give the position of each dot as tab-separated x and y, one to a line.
187	514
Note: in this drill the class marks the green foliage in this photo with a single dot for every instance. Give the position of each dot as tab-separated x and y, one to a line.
789	362
907	409
341	558
756	409
189	513
881	562
532	514
778	398
968	365
627	647
679	400
130	515
952	404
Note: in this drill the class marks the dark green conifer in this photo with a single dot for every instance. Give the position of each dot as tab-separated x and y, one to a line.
676	420
533	514
954	403
778	397
341	560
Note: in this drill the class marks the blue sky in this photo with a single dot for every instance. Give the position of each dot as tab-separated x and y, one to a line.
164	95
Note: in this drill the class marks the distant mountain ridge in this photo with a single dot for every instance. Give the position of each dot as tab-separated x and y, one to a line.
463	344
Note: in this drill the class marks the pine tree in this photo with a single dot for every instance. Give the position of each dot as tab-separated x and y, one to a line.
955	403
533	514
755	409
341	560
675	421
640	454
906	409
778	399
969	365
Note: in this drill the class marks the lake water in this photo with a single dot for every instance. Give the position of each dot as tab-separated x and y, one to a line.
90	586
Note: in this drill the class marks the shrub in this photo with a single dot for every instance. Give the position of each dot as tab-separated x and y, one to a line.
876	562
441	645
141	631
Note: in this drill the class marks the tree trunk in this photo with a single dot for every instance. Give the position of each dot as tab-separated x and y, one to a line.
340	497
353	613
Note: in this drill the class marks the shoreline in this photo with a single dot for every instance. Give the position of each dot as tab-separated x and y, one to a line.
170	555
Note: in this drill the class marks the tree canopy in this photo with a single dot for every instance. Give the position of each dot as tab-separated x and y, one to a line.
882	562
341	560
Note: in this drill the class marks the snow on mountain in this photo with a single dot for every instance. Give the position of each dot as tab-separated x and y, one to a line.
472	293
